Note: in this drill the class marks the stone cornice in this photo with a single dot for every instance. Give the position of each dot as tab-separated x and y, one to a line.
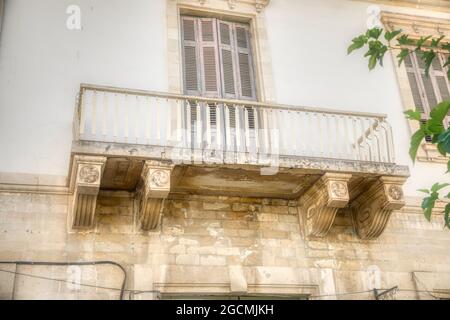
416	25
434	5
258	4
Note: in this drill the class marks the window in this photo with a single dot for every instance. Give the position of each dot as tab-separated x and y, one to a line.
218	63
217	59
427	91
233	297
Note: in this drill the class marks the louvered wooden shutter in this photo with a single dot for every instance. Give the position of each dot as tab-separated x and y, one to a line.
440	74
191	54
246	83
227	58
209	58
2	8
414	84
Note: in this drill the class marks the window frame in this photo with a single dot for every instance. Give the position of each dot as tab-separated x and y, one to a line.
219	47
241	11
419	72
415	26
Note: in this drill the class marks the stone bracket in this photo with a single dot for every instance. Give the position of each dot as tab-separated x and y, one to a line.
372	209
86	177
322	201
153	188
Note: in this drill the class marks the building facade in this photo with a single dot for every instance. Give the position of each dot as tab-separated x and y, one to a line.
172	149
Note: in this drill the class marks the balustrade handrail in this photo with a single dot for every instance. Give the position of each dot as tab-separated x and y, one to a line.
109	114
164	95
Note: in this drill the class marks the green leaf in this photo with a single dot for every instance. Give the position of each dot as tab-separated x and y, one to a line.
391	35
428	57
413	115
447	215
441	149
416	140
446	46
357	43
402	55
428	204
436	187
448	167
444	141
437	116
403	40
424	191
372	62
374	33
435	42
422	41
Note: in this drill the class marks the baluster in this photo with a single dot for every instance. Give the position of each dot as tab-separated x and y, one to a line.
238	128
357	147
372	141
287	138
390	142
199	126
265	131
94	113
148	112
378	139
208	127
257	142
320	135
168	123
219	127
179	118
386	150
328	146
116	117
105	115
364	143
126	126
304	129
136	119
247	130
227	128
347	147
188	124
338	137
82	113
158	121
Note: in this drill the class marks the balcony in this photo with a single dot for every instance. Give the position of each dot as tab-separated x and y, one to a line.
156	144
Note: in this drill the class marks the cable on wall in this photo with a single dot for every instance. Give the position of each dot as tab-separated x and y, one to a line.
91	263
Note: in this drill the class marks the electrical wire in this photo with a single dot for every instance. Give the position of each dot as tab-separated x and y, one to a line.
92	263
136	292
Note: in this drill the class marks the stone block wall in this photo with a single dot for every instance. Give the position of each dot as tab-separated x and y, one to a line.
214	245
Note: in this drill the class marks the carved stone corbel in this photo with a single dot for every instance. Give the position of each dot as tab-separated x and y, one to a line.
86	177
321	202
153	188
372	209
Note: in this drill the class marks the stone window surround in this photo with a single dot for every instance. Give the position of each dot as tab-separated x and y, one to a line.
251	12
224	289
415	26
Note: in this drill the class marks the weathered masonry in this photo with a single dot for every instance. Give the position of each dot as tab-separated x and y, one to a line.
209	146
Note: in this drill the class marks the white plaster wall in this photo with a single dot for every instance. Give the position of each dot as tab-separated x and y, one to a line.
309	41
42	64
123	43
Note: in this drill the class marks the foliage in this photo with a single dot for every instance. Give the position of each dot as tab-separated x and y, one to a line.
432	126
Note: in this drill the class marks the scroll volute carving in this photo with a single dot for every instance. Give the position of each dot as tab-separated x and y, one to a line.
372	210
87	172
153	188
321	202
